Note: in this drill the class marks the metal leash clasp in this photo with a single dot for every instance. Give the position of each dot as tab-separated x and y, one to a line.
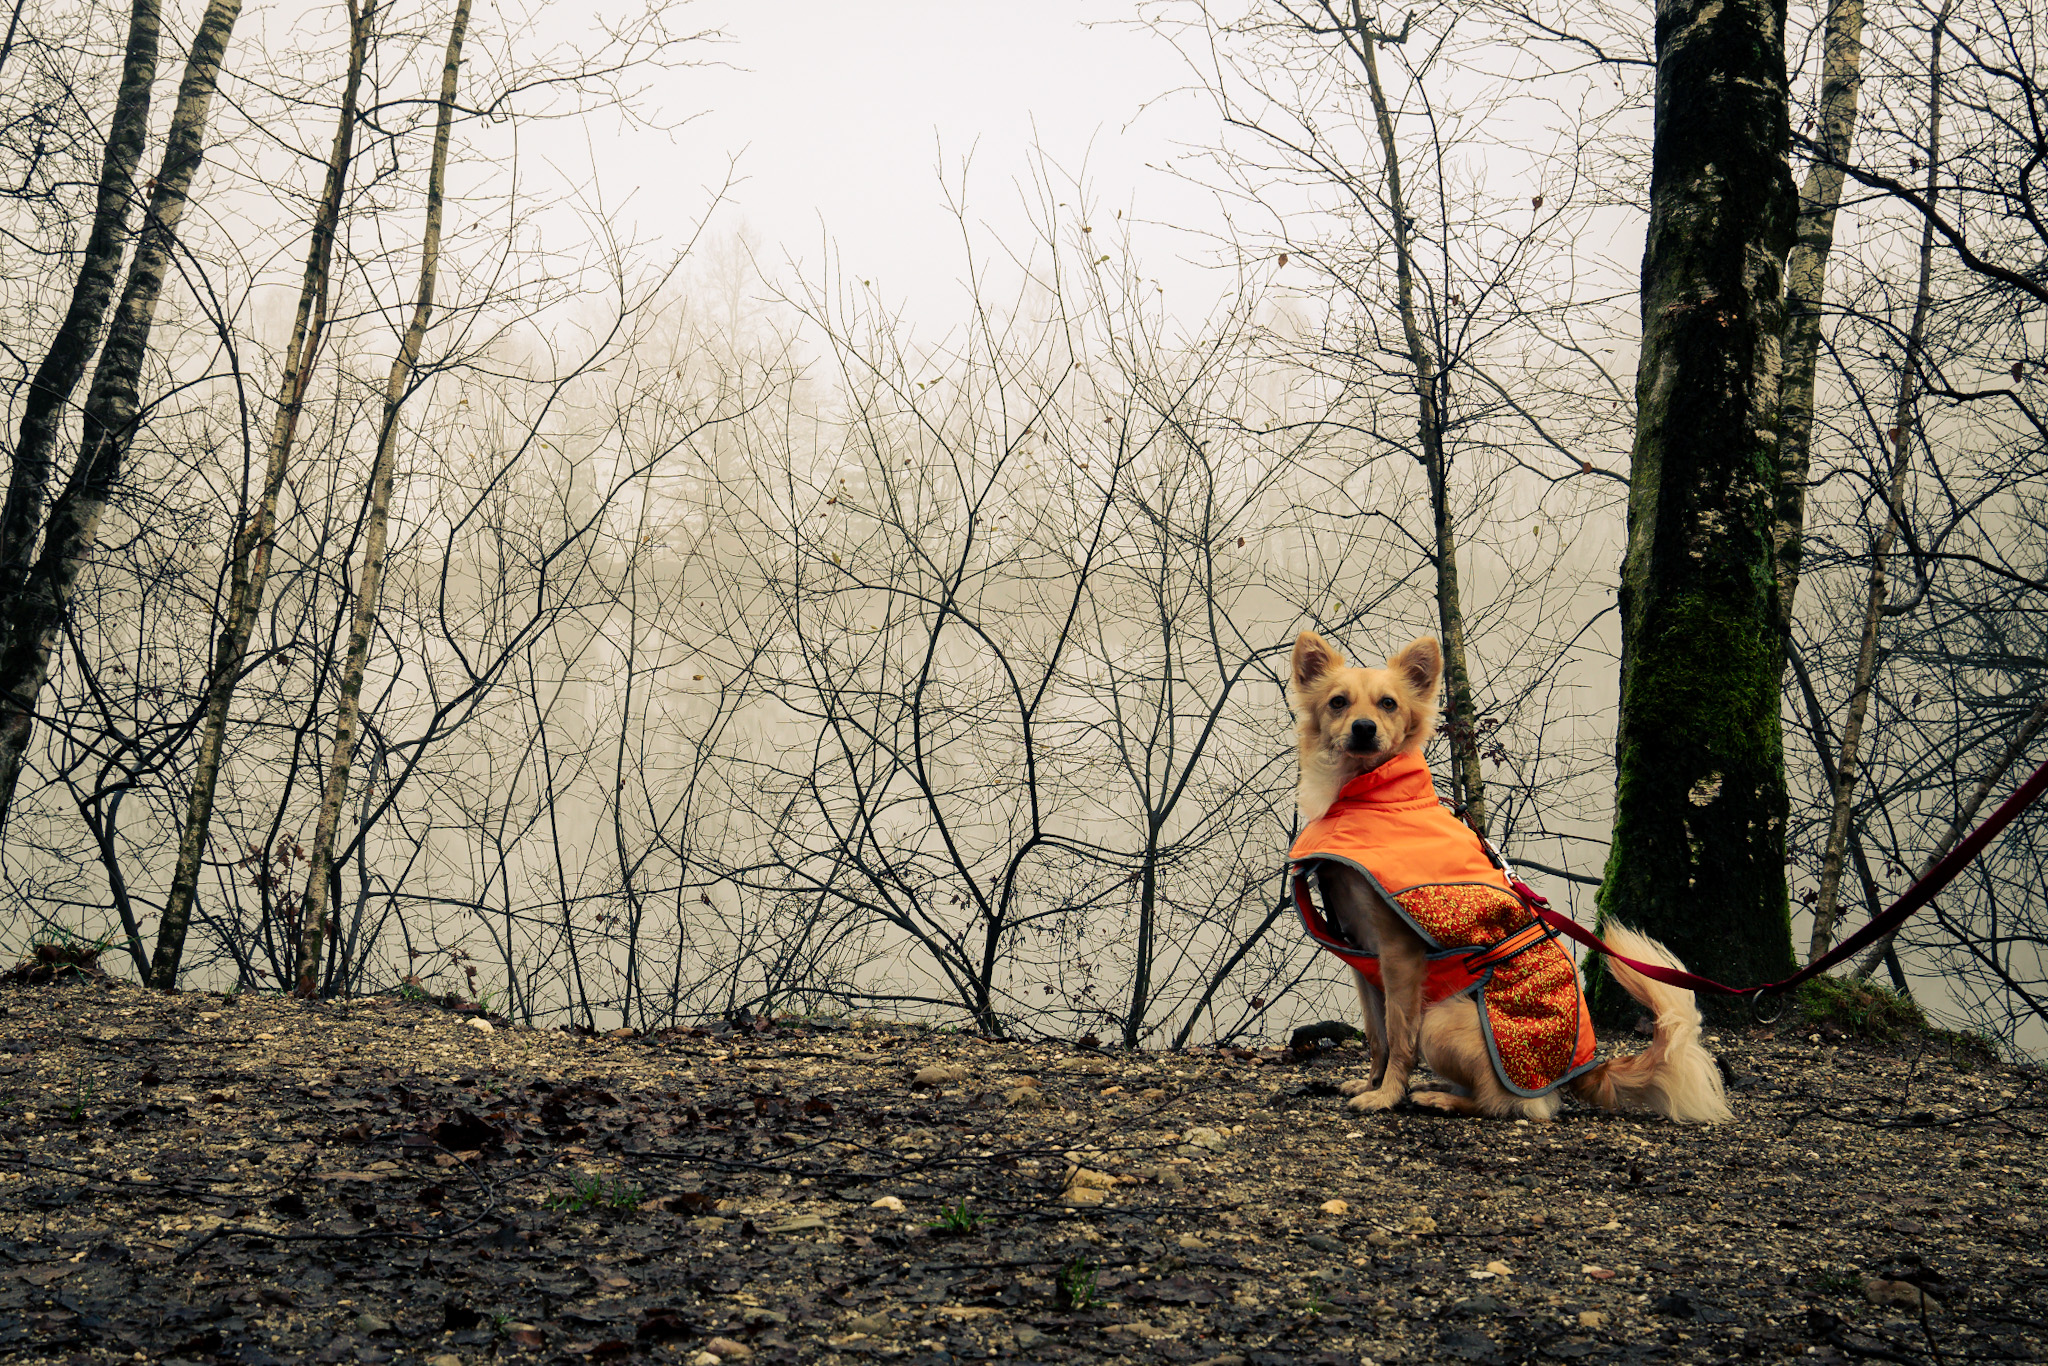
1499	860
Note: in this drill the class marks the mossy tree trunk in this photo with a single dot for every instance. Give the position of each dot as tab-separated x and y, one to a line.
1698	857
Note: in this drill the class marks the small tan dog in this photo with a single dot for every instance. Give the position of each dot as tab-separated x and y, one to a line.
1352	722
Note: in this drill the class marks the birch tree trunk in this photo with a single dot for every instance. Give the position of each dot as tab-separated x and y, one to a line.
1700	804
314	906
1820	197
250	565
1848	765
36	616
1468	778
63	364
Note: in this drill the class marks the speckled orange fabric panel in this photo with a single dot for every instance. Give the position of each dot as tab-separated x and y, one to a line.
1532	1003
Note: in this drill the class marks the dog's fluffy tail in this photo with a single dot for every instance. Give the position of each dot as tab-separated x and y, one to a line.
1675	1075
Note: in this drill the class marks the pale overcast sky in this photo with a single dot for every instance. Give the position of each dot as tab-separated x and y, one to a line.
840	113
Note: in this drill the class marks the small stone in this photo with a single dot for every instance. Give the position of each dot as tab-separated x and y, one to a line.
1024	1098
1592	1318
1420	1226
1152	1093
1212	1139
875	1325
1323	1242
370	1323
890	1203
1082	1177
725	1349
939	1074
1190	1243
1335	1207
1147	1331
1598	1273
1500	1268
1172	1177
445	1359
705	1359
1904	1294
1083	1196
802	1223
479	1024
1227	1359
1029	1337
708	1223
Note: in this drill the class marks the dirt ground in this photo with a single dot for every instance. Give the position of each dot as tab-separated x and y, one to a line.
209	1179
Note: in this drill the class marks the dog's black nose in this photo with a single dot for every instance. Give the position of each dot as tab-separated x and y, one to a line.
1364	734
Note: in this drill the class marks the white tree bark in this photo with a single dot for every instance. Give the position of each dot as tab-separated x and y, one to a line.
112	407
314	906
249	567
1848	764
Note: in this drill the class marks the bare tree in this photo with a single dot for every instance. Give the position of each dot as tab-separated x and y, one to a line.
1900	436
36	603
255	543
1820	200
369	581
1700	806
71	349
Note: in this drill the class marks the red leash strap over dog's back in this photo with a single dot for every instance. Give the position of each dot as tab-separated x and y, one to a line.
1918	895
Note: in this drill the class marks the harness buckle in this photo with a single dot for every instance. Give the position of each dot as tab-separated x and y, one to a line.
1491	955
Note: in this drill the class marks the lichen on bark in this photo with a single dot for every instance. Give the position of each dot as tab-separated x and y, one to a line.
1700	806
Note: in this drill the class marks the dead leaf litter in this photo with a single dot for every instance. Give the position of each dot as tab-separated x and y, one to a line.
198	1178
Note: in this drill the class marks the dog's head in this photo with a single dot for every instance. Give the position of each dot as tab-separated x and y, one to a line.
1354	720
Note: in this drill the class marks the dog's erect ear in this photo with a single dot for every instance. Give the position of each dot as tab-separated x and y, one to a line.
1312	660
1420	665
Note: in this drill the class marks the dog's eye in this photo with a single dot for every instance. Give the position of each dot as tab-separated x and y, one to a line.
1388	704
1339	702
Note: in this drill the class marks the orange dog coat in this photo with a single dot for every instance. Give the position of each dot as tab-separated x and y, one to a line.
1428	865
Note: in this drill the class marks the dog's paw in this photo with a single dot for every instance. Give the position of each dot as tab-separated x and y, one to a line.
1442	1101
1379	1098
1356	1085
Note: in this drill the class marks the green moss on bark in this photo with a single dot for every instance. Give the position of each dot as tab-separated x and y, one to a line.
1700	804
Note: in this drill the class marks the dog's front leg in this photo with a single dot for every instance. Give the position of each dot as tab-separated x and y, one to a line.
1402	971
1373	1006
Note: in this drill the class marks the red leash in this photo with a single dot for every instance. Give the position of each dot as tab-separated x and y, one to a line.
1918	895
